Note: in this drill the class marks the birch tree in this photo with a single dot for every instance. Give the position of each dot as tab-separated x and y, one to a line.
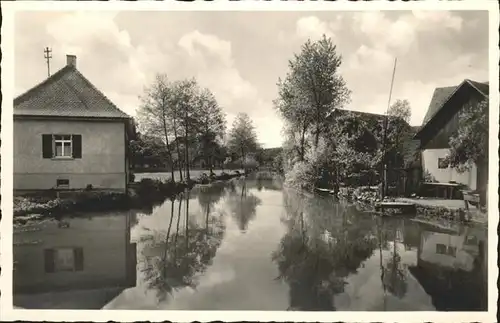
312	89
154	114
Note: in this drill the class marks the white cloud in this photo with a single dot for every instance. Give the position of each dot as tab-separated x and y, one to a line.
383	33
129	67
430	19
199	45
122	53
314	28
100	46
367	56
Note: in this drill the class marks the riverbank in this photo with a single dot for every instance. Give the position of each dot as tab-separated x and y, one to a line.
425	208
141	194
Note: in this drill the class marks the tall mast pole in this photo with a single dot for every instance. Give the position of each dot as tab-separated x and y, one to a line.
386	121
47	55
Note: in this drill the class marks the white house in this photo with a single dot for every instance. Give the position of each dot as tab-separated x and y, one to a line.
68	135
440	122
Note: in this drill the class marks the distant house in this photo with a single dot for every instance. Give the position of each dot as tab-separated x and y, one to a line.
403	169
440	122
69	135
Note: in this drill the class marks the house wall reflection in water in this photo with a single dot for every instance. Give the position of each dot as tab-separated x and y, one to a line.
72	255
452	267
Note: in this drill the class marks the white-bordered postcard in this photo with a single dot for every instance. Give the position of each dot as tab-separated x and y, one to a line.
249	161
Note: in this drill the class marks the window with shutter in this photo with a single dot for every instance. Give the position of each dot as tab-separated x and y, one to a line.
47	146
61	146
63	259
49	260
77	146
78	255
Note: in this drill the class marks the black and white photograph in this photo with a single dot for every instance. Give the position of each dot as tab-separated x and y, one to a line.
270	161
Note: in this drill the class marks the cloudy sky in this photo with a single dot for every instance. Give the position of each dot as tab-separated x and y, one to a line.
241	55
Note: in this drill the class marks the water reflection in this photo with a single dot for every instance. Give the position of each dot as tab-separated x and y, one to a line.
75	263
173	259
323	245
332	255
298	252
242	204
452	267
393	272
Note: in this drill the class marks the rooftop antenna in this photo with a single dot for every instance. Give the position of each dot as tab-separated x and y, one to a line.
386	121
47	55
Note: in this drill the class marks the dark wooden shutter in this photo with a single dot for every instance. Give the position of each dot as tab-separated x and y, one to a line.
78	254
49	260
77	146
47	146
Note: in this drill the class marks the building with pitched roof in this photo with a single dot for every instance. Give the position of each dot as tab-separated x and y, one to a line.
440	122
68	136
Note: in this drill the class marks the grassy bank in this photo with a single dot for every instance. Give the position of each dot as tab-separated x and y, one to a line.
141	194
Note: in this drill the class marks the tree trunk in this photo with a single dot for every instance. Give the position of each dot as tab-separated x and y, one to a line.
302	143
210	164
187	149
168	234
242	158
316	136
177	229
168	147
206	220
178	149
187	223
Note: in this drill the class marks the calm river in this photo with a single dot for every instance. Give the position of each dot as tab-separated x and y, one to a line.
249	245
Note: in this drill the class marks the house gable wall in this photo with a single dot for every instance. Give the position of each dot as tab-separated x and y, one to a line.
430	161
447	123
103	163
435	144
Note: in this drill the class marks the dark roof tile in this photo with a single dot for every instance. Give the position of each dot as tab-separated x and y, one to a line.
483	87
441	94
67	93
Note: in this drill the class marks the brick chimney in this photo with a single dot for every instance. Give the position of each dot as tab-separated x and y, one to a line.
71	60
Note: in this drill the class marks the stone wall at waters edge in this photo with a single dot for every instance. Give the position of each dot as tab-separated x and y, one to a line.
370	195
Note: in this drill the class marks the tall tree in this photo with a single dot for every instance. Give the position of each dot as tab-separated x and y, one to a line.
401	109
154	114
242	136
187	100
398	130
312	89
211	127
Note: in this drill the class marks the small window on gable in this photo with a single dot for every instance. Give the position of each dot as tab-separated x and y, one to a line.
442	163
63	182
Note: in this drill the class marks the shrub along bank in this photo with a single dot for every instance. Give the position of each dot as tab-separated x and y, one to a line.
147	192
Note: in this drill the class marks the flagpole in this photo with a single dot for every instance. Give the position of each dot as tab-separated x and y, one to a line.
386	121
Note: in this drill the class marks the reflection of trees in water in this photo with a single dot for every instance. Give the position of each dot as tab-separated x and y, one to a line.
186	251
208	196
393	273
242	205
324	244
